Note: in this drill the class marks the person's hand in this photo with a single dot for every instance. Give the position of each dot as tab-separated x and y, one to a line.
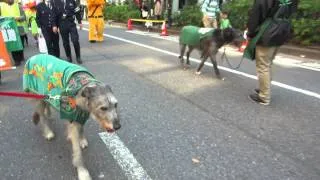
17	18
55	29
80	26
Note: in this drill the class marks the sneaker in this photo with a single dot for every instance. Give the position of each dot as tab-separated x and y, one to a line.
255	98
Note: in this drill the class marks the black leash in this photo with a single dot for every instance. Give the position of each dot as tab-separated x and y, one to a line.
224	56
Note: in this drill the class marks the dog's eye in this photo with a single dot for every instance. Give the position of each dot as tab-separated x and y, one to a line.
104	108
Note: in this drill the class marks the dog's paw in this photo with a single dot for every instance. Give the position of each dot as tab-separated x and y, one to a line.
83	174
186	67
49	135
221	78
198	72
83	143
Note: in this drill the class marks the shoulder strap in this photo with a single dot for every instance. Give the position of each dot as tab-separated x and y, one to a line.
283	9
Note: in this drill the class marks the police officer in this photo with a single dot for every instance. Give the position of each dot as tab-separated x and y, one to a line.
44	18
65	12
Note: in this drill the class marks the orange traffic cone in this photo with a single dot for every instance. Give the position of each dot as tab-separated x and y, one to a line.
5	62
129	24
164	29
243	45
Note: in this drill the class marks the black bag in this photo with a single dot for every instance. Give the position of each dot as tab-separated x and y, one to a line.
280	29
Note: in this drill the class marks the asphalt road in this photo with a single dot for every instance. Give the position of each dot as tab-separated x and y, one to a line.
175	124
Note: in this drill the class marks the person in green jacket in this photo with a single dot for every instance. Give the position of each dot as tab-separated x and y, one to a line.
13	9
224	21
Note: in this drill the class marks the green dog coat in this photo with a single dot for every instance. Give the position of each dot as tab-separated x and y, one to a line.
192	35
60	81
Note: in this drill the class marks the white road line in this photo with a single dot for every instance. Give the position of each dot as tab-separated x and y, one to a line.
133	170
279	84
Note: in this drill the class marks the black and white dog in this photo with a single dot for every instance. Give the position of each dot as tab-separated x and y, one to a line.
208	41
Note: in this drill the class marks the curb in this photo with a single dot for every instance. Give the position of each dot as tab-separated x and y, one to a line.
304	52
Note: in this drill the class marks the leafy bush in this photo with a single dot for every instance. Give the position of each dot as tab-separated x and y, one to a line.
306	22
189	15
120	13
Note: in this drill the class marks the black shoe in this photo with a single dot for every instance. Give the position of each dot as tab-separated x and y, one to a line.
79	60
92	41
69	59
255	98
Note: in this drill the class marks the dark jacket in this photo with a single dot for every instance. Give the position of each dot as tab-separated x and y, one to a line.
65	10
44	17
261	10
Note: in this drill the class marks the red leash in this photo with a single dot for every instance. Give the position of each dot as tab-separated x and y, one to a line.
21	94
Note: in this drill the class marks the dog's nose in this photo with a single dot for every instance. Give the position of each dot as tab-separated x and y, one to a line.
116	125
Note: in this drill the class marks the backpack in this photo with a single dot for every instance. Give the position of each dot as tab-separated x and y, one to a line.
278	29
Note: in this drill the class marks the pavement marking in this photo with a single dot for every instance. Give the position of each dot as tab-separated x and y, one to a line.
279	84
133	170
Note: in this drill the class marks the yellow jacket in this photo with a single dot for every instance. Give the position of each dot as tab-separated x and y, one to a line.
92	4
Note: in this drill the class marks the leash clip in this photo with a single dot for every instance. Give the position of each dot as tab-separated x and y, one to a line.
56	97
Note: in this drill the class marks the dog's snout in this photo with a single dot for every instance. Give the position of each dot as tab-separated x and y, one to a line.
116	125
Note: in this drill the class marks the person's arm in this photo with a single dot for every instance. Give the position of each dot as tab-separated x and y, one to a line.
254	19
54	17
22	16
38	16
77	12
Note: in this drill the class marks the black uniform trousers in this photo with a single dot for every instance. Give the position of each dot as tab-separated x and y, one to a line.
69	27
52	41
18	56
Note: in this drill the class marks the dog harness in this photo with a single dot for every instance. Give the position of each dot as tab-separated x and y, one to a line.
192	35
61	81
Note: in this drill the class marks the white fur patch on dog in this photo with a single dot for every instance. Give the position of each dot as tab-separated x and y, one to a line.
83	143
83	174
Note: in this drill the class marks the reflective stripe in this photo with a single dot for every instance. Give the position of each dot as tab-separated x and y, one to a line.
77	9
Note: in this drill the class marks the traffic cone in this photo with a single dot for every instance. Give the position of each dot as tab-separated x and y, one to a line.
243	45
5	62
129	24
164	29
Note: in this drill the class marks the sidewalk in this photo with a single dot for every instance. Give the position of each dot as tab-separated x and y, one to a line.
312	52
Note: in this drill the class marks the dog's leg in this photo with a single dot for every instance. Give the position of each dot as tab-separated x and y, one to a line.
182	51
83	139
190	48
77	161
203	60
48	111
215	66
39	116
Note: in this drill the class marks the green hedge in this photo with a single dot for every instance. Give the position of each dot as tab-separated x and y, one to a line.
306	21
189	15
120	13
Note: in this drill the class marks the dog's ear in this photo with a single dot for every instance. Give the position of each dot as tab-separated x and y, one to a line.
88	91
109	88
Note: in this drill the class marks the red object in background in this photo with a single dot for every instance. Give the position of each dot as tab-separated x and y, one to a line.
164	31
5	62
243	45
129	24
